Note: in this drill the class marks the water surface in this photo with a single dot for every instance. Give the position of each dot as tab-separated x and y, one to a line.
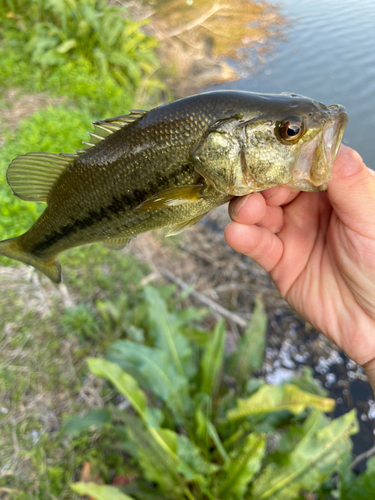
329	55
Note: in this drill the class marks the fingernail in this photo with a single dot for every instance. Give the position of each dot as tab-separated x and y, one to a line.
240	203
268	197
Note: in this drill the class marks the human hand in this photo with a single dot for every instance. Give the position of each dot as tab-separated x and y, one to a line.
319	249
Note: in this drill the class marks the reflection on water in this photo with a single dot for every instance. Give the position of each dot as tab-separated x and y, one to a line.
233	28
329	54
199	36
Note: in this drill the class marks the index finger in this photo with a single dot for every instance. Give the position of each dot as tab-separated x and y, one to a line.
279	195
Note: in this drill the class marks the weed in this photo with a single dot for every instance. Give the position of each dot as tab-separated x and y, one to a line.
198	436
92	37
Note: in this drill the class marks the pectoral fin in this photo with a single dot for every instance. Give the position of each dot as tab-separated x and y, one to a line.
173	197
178	228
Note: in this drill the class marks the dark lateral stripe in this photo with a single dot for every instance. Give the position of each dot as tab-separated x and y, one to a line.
117	206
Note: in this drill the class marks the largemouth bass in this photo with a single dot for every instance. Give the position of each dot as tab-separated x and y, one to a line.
168	167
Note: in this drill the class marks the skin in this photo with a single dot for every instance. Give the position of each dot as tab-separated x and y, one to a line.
319	249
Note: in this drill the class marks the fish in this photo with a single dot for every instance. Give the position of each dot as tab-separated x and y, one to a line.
168	167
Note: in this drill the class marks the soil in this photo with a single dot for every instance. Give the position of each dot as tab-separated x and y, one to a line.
19	105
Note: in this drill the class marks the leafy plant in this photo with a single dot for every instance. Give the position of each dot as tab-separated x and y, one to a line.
357	488
52	33
195	434
52	130
80	320
99	492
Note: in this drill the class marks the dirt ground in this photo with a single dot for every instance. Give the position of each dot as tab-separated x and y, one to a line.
19	105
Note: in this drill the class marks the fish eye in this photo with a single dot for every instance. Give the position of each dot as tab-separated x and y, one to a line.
291	128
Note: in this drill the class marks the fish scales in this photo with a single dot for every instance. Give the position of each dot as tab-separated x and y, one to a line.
166	168
153	152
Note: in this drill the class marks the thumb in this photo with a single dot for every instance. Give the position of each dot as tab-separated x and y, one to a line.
351	192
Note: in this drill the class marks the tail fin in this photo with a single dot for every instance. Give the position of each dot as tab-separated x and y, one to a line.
12	249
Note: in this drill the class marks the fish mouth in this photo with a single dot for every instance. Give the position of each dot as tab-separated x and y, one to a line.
314	164
333	131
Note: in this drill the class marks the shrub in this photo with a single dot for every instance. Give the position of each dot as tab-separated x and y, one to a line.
52	33
87	50
196	432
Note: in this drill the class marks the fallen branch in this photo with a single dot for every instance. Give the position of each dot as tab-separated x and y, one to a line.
65	296
217	309
362	456
196	22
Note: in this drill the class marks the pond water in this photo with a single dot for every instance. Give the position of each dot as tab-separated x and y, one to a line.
329	55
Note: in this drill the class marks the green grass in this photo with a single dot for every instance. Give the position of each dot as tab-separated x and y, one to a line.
99	94
43	372
89	51
98	60
54	130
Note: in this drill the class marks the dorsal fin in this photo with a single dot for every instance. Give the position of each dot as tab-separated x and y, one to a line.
31	176
104	128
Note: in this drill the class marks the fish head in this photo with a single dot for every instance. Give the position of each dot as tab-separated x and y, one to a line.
280	139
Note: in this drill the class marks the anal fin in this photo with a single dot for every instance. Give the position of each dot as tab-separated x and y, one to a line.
116	243
182	226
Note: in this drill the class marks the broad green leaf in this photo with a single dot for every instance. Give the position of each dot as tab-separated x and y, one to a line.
249	352
254	384
205	431
361	487
152	368
311	462
306	382
196	335
157	459
244	463
271	398
214	435
165	331
212	359
128	386
167	458
190	463
190	314
189	453
99	492
203	412
296	432
94	419
123	382
143	491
